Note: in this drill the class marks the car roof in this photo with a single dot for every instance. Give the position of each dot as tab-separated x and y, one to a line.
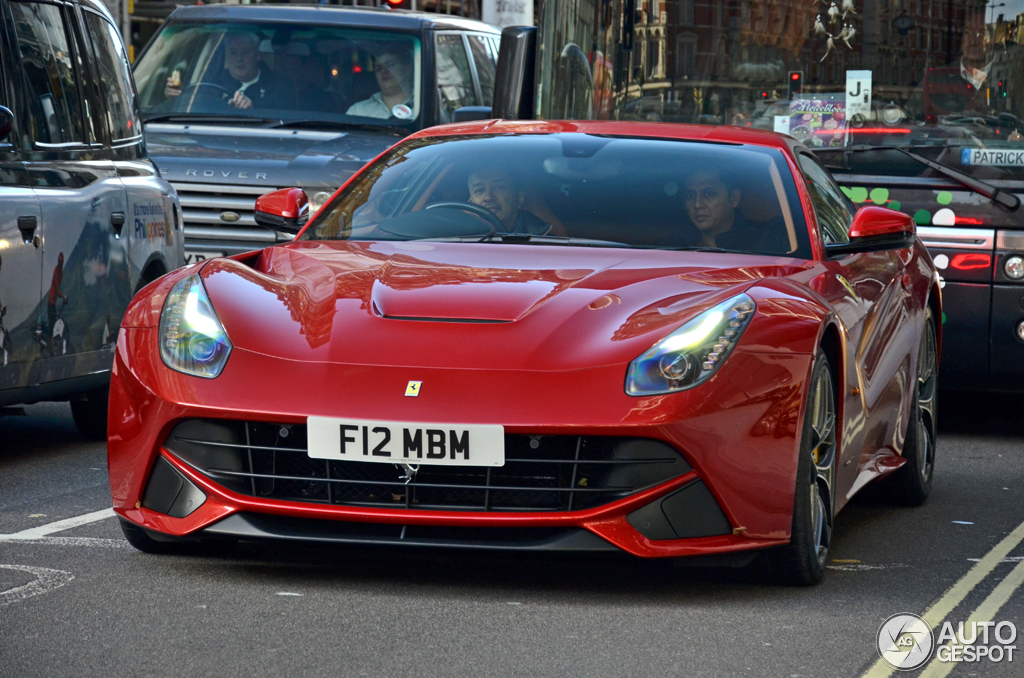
653	130
368	17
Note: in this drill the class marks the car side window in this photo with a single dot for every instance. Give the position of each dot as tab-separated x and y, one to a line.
50	79
484	59
115	80
833	210
454	79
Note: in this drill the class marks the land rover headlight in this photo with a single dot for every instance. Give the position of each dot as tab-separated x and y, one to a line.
192	340
691	354
317	197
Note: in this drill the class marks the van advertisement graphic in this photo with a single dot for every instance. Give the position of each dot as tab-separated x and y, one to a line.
819	122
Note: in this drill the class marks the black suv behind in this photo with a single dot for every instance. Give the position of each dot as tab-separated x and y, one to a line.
239	100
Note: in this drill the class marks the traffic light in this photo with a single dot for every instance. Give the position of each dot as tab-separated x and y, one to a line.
398	4
1001	89
764	94
795	83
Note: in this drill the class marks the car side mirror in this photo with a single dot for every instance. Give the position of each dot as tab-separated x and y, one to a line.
284	210
513	75
874	229
467	113
6	122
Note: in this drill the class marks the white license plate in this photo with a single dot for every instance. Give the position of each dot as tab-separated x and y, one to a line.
410	443
193	256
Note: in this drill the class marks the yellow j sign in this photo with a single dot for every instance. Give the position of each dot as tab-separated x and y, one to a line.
413	388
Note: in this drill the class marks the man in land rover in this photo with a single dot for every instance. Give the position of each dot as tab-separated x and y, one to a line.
393	69
243	83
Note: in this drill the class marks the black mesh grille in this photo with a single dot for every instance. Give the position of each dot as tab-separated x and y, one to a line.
541	473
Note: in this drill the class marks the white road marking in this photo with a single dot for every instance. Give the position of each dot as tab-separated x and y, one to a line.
985	612
46	580
955	595
289	593
59	526
69	541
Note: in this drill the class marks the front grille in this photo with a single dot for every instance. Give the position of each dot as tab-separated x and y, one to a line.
203	204
541	473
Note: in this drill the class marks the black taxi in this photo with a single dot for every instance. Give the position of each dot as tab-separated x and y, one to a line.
85	218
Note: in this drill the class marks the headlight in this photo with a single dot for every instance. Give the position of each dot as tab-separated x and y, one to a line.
692	353
192	340
317	198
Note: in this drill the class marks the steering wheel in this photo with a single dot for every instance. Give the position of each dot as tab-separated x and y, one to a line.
476	210
197	85
186	92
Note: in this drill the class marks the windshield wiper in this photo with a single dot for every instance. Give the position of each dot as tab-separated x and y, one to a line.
336	124
223	119
701	248
550	239
996	195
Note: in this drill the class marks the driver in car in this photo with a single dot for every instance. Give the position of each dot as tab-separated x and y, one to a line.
497	190
244	82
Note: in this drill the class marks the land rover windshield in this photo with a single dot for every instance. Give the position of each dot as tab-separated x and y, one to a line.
281	73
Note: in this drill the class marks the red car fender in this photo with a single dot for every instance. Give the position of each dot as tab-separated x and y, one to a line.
793	321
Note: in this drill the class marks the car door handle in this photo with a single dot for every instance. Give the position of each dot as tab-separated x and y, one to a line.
27	226
117	223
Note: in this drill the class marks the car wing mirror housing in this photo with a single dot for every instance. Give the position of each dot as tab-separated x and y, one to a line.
513	76
875	229
468	113
284	210
6	122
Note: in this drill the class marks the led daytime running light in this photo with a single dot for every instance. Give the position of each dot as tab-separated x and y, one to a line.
192	339
691	354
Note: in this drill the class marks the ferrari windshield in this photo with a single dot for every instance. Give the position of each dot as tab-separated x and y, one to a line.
281	71
574	190
850	73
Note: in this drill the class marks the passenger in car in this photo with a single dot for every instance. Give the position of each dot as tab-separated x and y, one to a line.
497	189
309	73
393	69
245	83
712	199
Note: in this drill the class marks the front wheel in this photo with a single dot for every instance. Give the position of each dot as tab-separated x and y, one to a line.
802	561
138	538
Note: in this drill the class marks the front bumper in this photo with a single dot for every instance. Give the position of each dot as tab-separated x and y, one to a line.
737	439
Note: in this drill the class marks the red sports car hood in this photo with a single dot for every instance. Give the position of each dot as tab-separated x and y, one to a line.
474	306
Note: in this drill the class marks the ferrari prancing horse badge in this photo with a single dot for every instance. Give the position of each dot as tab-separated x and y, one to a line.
413	388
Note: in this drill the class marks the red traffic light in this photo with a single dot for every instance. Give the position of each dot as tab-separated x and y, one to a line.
794	76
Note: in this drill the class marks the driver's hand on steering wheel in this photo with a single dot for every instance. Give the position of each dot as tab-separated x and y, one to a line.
172	89
240	100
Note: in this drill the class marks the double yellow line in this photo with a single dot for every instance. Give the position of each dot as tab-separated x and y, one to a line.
987	611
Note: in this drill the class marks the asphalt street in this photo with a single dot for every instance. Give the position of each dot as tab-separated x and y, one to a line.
76	600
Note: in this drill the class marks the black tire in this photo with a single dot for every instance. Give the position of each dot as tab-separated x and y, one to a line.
90	414
138	538
802	561
912	483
